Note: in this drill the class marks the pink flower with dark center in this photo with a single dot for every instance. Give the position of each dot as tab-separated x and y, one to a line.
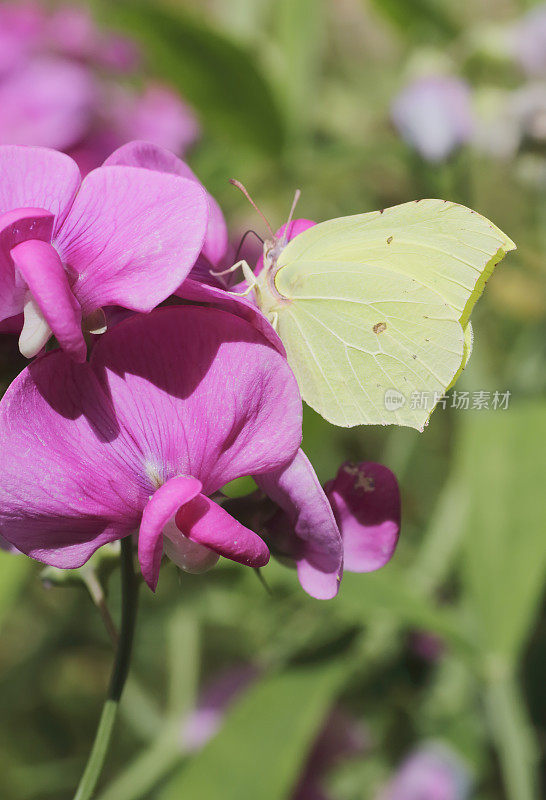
171	406
68	248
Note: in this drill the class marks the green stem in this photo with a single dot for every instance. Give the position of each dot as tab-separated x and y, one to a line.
129	591
512	735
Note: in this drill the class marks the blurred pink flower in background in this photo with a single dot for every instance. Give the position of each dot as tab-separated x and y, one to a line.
529	41
60	87
433	115
432	771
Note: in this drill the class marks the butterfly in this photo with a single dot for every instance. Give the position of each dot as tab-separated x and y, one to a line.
374	309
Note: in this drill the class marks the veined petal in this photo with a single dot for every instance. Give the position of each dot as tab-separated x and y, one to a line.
150	156
162	505
205	522
132	236
311	535
71	479
35	177
40	266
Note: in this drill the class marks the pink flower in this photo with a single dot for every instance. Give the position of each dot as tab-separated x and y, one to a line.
47	101
158	159
431	772
434	116
365	500
171	407
529	41
68	247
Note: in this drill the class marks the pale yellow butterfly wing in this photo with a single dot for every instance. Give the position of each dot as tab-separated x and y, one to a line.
379	303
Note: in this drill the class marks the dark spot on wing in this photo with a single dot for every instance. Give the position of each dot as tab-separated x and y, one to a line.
379	327
389	240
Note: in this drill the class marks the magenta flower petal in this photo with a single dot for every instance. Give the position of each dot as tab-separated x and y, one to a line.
70	479
39	264
150	156
37	178
366	504
205	522
162	505
183	391
297	226
310	535
227	301
231	399
15	227
132	236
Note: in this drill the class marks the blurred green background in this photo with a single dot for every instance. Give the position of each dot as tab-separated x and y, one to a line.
446	643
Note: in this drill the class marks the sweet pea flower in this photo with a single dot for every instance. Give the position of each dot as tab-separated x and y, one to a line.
170	407
146	155
432	772
433	114
68	248
363	499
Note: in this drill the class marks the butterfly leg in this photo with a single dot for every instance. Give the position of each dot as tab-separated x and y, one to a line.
229	270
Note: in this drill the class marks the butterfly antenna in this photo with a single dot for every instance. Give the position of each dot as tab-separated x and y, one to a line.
297	195
242	189
241	243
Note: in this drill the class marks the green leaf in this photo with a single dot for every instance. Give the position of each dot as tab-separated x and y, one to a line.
264	740
420	20
218	77
388	591
502	464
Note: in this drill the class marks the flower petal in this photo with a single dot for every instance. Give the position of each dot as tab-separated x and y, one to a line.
205	522
310	534
200	292
202	392
150	156
366	504
39	178
48	101
17	226
40	265
99	240
162	505
71	480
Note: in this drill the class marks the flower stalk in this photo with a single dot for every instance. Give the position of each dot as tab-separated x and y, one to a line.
129	593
